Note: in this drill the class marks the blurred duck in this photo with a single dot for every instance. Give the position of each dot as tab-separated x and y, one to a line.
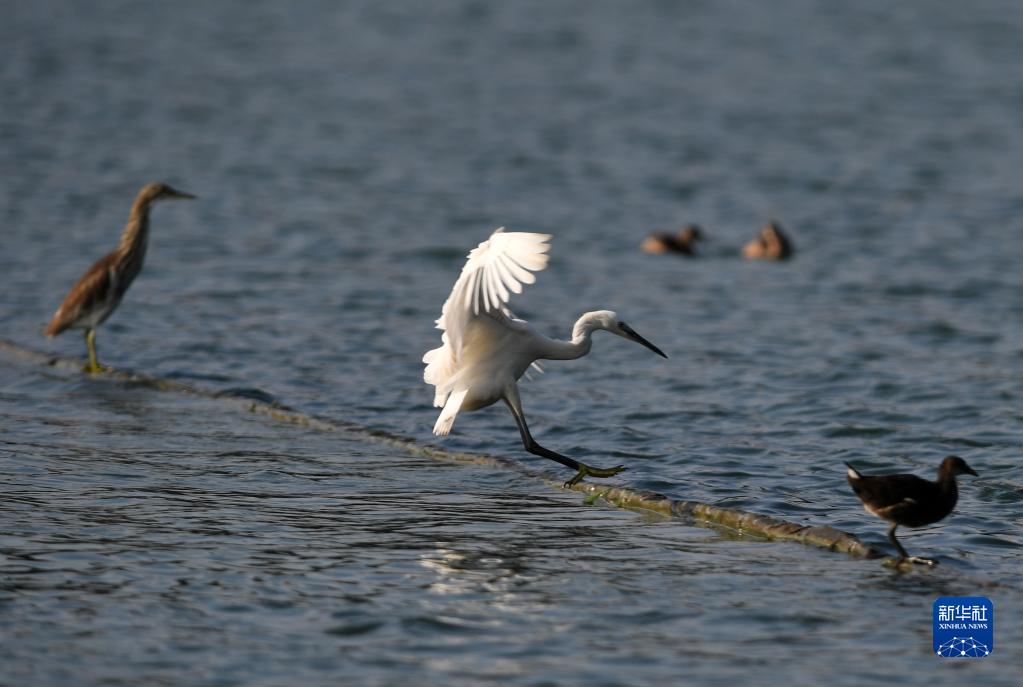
683	242
910	500
770	244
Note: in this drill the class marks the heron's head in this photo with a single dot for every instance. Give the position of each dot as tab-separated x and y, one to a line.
954	465
158	191
609	321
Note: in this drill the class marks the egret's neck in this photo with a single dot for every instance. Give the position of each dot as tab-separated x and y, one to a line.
579	346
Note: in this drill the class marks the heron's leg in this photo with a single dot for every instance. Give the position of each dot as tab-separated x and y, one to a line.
511	397
90	343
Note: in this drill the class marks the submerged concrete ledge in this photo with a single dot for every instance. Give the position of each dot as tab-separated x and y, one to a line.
744	522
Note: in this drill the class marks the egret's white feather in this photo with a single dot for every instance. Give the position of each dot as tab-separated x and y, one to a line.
447	416
493	271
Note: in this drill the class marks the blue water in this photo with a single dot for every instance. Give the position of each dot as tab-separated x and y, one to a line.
347	156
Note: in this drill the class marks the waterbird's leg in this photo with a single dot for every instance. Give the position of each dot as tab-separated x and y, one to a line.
903	556
90	343
511	397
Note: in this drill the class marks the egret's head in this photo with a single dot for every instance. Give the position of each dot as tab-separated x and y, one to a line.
158	191
955	465
608	321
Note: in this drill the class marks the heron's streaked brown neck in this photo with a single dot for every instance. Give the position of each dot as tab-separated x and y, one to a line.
135	238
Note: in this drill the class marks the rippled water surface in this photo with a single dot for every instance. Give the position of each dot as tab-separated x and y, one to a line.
347	156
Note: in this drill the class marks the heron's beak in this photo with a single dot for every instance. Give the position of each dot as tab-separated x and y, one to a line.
640	340
970	471
174	193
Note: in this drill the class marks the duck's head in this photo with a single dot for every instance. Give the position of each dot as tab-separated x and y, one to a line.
689	233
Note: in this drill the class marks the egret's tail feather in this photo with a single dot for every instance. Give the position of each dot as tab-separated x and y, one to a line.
450	412
440	371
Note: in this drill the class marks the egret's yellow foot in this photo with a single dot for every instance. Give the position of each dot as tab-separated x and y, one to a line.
587	471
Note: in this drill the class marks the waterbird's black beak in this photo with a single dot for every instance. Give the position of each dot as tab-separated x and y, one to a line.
640	340
970	471
174	193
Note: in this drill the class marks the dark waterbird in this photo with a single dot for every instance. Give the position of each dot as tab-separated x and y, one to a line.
910	500
99	291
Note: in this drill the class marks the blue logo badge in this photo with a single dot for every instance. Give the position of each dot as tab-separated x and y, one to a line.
964	627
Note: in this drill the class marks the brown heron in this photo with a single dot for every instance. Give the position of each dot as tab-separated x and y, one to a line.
770	244
910	500
100	290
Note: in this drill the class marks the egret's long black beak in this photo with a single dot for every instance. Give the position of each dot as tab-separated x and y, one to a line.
640	340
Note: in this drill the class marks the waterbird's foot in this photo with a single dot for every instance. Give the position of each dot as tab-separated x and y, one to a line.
905	563
96	369
587	471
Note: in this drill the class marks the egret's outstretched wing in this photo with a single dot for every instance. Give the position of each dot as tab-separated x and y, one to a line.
495	269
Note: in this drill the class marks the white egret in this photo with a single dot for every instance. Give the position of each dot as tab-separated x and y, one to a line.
486	349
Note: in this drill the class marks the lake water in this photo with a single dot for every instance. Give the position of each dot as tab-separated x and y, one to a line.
347	156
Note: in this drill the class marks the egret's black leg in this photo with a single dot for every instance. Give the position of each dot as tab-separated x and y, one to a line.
530	444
